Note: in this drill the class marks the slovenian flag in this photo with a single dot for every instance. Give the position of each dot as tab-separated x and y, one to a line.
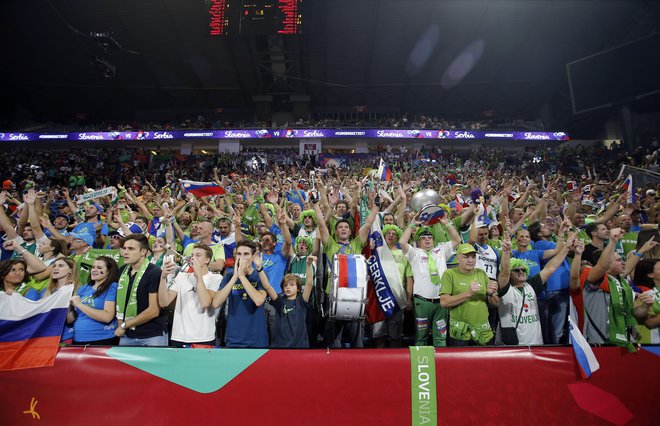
30	331
583	352
628	186
385	292
432	217
384	172
202	189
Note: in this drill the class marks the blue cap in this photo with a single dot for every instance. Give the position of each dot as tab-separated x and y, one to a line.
88	238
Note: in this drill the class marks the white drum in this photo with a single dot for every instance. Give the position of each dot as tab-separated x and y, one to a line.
348	289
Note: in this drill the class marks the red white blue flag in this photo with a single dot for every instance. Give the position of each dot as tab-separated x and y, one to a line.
30	331
386	294
384	172
583	353
432	216
202	189
348	267
628	186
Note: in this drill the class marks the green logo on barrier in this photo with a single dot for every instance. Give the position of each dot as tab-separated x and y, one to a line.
189	367
424	402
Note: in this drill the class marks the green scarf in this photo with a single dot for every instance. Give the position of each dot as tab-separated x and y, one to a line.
122	292
621	307
433	268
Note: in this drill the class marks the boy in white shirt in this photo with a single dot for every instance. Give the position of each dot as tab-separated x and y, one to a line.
194	317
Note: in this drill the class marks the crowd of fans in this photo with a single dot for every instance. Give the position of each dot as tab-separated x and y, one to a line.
254	262
337	120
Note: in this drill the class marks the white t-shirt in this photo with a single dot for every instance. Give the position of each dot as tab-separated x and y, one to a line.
419	264
529	327
192	323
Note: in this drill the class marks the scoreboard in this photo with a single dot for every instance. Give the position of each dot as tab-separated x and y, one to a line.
254	17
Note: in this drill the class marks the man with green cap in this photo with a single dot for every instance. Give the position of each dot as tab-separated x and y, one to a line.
466	290
428	263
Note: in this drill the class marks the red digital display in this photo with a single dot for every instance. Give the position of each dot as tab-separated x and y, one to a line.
292	17
254	17
218	17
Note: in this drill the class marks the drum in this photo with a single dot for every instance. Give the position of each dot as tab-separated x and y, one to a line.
348	289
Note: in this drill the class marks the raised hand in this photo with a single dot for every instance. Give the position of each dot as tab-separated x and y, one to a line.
258	260
648	246
31	197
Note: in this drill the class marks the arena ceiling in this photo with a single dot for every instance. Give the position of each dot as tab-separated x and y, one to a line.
412	55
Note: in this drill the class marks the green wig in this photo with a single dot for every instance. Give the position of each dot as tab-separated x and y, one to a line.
519	263
308	240
310	213
387	228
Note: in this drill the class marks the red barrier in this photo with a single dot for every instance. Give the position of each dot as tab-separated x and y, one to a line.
339	387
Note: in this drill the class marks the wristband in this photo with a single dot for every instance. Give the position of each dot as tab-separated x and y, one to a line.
638	254
412	225
260	270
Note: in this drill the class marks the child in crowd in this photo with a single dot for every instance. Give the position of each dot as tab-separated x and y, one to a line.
291	308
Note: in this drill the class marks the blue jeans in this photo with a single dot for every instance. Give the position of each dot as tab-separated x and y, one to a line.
149	341
553	311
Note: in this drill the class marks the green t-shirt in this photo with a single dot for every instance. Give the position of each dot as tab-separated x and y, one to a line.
473	311
441	234
404	266
496	244
628	242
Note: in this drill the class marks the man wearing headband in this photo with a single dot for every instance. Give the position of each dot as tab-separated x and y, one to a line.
428	263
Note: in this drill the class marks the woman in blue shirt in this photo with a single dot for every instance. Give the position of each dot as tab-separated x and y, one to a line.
95	305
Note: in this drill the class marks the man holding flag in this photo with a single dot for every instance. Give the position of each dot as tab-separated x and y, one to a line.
428	263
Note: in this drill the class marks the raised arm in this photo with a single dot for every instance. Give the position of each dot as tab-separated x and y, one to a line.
287	247
33	214
504	275
576	266
34	264
600	269
556	260
633	260
309	278
365	229
612	209
324	234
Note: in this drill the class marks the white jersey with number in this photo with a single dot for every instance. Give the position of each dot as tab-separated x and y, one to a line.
487	260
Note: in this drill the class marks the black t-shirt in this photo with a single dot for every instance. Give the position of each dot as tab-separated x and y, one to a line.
588	254
291	327
148	284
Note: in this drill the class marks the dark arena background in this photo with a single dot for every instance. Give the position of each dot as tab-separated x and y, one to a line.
517	138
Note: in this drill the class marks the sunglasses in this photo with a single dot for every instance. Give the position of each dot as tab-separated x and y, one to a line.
519	270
